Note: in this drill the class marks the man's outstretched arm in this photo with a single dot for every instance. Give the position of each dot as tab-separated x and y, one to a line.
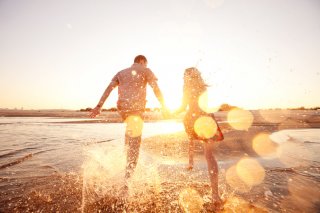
160	98
105	95
158	93
152	81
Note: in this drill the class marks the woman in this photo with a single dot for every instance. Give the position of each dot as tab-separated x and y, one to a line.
200	125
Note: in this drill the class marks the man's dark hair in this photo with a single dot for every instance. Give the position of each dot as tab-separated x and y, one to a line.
138	58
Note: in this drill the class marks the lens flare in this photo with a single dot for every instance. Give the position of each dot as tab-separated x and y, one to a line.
204	103
264	146
190	200
205	127
235	181
134	126
240	119
250	171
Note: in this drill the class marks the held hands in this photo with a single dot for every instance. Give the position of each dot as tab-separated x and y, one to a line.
95	112
175	113
166	113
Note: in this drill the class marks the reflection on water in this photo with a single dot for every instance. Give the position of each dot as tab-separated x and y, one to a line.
47	165
47	142
38	154
298	148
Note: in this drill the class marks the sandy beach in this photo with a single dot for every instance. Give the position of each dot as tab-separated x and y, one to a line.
281	175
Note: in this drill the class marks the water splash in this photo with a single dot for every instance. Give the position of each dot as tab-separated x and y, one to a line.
104	184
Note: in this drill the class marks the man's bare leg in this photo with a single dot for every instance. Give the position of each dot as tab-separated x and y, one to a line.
133	148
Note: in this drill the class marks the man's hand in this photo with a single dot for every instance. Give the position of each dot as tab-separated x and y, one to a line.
95	112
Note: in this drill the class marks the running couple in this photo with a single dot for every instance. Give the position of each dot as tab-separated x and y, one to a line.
131	83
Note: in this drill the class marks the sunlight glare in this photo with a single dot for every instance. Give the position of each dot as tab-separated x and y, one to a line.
172	102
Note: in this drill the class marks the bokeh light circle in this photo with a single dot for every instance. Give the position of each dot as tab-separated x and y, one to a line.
134	126
235	181
240	119
250	171
205	127
205	105
264	146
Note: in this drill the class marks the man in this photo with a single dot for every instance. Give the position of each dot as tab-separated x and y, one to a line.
131	103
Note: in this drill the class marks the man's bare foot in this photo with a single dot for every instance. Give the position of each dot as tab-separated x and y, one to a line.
124	192
190	167
217	204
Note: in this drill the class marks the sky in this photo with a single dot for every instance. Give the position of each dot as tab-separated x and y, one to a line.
254	54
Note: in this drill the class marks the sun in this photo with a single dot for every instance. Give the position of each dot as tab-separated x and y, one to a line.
173	102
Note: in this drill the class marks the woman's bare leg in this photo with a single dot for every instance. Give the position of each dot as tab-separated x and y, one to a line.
191	154
213	171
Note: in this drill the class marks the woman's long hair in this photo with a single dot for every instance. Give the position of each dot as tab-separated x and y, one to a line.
194	84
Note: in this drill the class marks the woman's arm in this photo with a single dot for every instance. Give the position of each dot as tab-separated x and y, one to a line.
184	104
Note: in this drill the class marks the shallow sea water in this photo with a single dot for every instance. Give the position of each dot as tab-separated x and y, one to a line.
48	165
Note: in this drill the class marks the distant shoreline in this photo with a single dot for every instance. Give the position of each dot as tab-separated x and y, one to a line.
104	117
309	117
